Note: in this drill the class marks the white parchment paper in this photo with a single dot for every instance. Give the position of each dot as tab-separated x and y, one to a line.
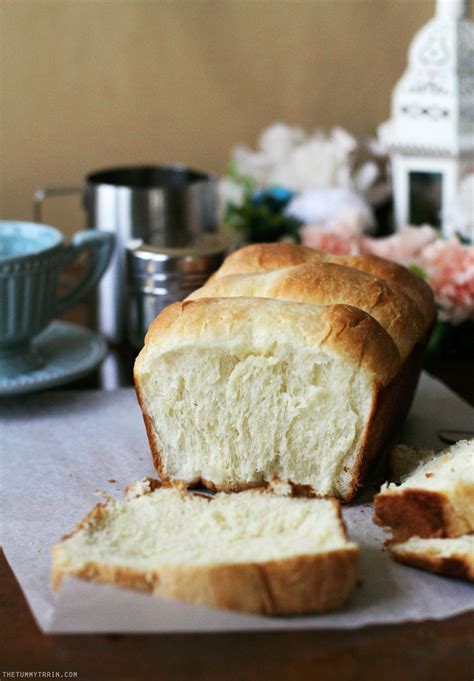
57	448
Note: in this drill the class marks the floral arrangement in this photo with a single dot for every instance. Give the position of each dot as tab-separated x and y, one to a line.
289	157
325	191
294	178
446	264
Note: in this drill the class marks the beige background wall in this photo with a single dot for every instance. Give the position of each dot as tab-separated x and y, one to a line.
91	83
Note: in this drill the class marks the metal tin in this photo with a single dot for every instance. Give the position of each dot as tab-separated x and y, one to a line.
166	206
158	277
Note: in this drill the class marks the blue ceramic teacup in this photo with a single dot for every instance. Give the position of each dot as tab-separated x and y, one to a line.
31	257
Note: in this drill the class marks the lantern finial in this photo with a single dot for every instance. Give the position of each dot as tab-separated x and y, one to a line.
455	9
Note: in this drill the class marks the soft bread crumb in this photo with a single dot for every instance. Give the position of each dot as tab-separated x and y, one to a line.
438	471
284	489
238	406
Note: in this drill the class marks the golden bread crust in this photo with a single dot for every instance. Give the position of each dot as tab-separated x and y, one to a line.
339	329
396	276
414	512
302	585
324	283
453	566
266	257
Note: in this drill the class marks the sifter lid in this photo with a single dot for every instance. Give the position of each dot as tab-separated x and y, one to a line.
145	259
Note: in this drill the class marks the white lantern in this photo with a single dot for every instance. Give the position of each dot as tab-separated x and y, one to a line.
430	134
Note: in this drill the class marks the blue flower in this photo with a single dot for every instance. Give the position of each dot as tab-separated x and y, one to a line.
281	194
275	197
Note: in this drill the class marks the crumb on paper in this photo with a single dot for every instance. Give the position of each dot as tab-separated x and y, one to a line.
102	494
139	488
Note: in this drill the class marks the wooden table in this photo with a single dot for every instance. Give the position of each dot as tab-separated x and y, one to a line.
427	651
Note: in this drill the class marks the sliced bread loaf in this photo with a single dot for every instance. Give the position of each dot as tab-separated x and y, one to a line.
287	365
255	551
453	557
236	392
436	499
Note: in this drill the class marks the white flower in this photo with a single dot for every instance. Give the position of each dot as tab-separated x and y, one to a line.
289	157
250	164
228	191
278	140
331	206
365	177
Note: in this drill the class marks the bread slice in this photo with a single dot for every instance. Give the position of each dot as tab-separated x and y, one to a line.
435	500
255	551
324	283
453	557
236	392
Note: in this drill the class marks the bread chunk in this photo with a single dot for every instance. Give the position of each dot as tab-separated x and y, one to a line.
255	551
435	500
452	557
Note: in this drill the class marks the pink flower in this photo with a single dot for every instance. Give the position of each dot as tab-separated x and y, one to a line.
449	265
450	272
343	237
329	242
404	247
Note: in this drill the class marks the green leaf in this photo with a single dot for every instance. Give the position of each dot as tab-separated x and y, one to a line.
419	271
245	181
439	336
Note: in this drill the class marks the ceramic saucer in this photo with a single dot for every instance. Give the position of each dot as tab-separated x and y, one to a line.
68	352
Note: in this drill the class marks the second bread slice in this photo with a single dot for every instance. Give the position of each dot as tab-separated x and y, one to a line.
254	551
453	557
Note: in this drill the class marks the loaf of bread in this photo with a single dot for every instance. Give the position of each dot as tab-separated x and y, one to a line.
284	366
436	499
256	552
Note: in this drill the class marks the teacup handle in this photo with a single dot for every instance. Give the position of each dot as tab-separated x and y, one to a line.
100	246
